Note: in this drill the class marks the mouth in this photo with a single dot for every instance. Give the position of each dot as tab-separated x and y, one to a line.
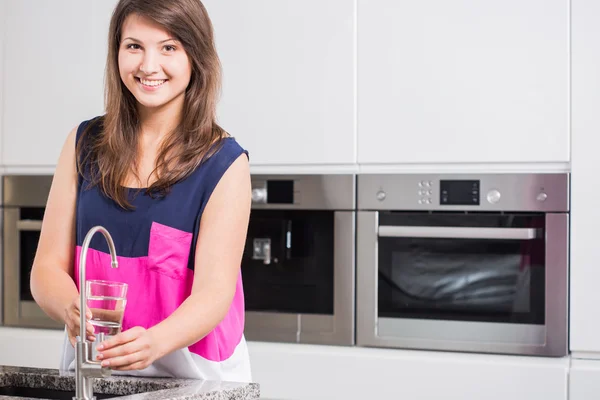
151	83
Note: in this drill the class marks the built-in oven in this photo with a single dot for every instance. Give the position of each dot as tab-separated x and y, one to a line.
24	201
462	262
298	265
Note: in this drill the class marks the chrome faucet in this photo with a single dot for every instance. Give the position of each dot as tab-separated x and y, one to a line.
86	369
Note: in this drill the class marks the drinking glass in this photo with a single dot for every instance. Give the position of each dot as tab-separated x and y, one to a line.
106	300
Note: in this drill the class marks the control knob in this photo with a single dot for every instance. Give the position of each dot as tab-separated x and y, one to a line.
493	196
542	196
381	195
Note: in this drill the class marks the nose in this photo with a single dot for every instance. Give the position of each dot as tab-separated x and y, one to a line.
150	64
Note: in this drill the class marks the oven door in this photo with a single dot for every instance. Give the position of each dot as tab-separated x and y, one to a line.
298	273
22	228
483	282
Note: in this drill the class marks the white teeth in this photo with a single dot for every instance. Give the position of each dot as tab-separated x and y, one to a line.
152	83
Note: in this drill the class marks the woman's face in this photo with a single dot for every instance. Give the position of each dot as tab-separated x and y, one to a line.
153	65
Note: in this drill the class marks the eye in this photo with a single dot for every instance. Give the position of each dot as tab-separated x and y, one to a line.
170	47
133	46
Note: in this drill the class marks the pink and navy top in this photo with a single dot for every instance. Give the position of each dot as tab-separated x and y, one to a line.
155	245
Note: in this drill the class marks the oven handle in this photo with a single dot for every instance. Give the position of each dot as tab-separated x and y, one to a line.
457	232
29	225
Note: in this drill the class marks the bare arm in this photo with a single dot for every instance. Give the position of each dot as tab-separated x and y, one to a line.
219	250
52	284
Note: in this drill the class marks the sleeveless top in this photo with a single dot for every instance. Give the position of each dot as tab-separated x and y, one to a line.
155	245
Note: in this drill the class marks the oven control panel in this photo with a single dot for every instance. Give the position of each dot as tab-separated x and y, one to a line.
527	192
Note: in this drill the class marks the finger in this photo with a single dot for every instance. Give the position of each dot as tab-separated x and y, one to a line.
120	339
131	367
123	361
119	351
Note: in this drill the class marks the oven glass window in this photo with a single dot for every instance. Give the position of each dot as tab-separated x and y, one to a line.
288	262
28	242
464	279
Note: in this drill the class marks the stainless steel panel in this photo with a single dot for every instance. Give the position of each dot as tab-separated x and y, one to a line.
272	327
498	192
460	335
311	192
557	284
26	190
337	328
457	232
366	278
11	268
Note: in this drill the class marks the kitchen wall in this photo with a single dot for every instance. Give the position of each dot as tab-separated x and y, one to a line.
325	86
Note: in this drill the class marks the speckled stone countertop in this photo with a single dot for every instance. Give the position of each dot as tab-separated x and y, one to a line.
124	387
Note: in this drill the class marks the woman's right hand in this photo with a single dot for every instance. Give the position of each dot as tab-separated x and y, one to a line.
72	320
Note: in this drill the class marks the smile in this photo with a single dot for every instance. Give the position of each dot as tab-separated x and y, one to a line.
152	83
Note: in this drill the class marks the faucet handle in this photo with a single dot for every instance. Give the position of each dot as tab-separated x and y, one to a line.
93	369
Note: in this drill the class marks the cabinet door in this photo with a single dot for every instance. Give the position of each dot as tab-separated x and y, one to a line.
288	78
463	81
584	332
55	53
584	380
400	374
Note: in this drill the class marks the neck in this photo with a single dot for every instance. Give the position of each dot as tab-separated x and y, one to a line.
158	122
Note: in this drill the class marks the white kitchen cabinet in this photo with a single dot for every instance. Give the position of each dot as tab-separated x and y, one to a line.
463	81
55	54
313	372
585	263
35	348
310	372
288	83
584	380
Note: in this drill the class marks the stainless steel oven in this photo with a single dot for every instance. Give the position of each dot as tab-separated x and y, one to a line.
464	262
298	265
24	201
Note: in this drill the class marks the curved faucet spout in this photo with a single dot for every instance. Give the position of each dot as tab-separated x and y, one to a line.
82	266
85	368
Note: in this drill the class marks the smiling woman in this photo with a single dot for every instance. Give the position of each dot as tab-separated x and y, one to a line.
172	188
149	58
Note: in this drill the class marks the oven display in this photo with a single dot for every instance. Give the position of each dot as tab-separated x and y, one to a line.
459	193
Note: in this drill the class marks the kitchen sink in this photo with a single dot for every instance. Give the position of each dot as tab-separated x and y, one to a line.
47	394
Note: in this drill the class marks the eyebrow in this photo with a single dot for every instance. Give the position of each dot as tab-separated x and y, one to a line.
139	41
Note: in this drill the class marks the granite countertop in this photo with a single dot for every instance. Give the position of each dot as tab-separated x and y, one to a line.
123	387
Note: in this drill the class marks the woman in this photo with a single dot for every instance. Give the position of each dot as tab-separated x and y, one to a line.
171	187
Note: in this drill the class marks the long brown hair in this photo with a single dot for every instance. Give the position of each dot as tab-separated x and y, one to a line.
113	154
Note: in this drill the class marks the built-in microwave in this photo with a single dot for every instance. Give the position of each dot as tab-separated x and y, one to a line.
463	262
298	266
